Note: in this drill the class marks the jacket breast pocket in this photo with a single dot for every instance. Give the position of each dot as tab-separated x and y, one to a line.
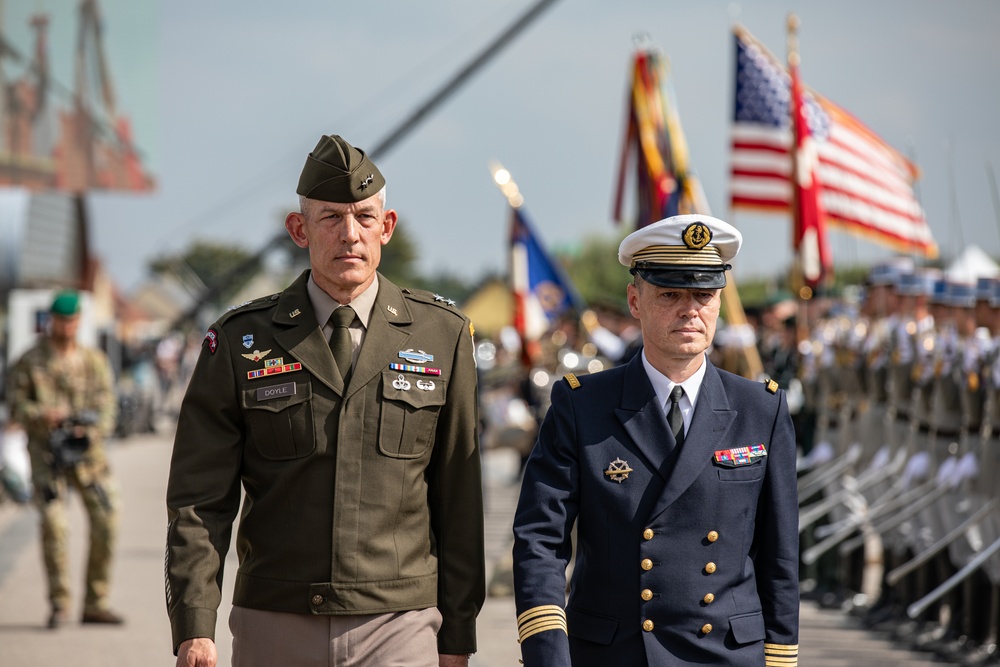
743	473
280	418
747	628
409	413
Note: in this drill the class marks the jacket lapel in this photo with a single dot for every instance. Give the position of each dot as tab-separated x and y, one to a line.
712	420
642	417
304	339
384	339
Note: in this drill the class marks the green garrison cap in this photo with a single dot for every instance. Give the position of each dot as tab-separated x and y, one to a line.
337	171
66	303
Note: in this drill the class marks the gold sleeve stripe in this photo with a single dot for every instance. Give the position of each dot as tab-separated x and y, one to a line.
781	655
540	619
782	649
540	626
538	611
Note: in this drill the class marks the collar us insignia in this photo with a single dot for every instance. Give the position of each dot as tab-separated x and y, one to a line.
618	470
256	355
418	357
740	456
697	235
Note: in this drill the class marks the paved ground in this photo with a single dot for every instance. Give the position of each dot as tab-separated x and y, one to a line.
828	638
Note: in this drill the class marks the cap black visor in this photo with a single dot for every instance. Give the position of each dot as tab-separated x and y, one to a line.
689	278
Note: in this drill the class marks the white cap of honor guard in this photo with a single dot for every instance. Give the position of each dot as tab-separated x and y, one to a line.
685	251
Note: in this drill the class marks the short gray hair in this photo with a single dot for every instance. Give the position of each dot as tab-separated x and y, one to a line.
380	194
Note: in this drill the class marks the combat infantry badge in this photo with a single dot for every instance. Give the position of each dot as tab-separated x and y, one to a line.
618	471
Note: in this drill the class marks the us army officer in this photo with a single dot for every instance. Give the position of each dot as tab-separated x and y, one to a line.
680	479
345	407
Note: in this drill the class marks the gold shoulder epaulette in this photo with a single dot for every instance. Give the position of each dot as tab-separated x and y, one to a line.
573	382
771	386
540	619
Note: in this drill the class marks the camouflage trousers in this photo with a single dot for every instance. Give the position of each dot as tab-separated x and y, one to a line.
100	501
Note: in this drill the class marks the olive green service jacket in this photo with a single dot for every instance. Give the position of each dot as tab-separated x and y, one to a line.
359	501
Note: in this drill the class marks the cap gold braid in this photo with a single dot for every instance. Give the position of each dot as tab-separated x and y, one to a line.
679	255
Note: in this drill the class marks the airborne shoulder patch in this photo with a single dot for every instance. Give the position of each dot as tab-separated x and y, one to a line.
572	381
771	386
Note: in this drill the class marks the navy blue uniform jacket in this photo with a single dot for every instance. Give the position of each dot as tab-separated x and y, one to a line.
685	561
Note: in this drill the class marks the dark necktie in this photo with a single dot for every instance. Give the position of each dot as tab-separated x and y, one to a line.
674	416
340	339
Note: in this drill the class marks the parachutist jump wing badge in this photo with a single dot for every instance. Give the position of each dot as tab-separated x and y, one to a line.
618	471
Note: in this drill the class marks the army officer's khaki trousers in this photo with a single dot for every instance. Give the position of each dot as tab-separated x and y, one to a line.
268	638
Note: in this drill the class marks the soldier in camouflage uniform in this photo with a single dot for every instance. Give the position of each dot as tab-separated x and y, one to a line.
62	394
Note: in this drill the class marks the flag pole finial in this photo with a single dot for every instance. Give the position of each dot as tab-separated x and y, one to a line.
793	41
503	180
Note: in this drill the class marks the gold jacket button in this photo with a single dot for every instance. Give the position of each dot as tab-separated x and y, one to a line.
646	564
710	567
705	629
647	594
712	536
709	598
647	625
317	600
647	534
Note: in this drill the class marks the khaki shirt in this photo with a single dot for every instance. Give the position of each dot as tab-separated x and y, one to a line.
359	500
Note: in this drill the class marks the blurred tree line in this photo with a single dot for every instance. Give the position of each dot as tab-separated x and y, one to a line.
592	265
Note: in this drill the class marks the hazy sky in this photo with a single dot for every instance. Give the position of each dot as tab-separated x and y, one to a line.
226	99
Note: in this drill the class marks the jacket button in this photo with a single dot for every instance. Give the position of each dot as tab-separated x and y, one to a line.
712	536
646	564
317	600
709	598
705	629
710	567
647	534
647	625
647	594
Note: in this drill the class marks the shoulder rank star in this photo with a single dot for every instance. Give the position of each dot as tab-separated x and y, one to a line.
256	355
618	470
438	297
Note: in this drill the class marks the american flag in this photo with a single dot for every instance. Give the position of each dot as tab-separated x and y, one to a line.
867	186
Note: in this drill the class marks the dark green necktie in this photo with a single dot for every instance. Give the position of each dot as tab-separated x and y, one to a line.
340	339
674	416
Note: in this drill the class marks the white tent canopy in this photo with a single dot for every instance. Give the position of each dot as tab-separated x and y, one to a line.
970	265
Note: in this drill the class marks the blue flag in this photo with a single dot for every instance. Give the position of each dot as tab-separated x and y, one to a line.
542	292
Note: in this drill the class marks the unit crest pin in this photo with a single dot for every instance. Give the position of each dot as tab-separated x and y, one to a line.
618	470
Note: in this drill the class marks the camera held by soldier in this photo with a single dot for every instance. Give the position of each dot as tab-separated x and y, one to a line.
69	441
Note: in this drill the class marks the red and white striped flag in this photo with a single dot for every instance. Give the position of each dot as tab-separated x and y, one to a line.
867	186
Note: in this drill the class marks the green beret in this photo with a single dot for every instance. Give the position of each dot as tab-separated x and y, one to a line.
337	171
66	303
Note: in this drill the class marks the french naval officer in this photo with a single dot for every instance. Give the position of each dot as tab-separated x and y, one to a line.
345	407
680	480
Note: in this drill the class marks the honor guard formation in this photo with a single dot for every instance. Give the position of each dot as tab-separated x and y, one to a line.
899	517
